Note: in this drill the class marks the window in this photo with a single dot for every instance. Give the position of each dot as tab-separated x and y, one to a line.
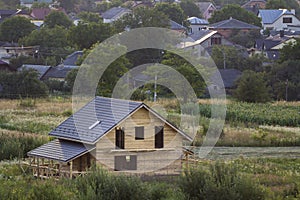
215	41
120	139
287	20
139	133
128	162
159	137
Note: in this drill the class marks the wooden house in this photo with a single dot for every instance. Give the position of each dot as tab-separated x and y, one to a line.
118	135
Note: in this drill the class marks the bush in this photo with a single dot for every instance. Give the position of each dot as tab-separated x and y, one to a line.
220	182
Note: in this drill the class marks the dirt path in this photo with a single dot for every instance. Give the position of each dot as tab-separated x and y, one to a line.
263	152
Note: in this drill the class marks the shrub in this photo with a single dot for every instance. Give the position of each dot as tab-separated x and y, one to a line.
220	182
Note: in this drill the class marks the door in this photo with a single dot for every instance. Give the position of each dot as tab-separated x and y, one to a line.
128	162
120	137
159	137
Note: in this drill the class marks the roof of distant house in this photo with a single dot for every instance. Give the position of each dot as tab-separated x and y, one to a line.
270	16
229	76
40	13
72	58
175	26
59	71
33	1
253	1
41	69
115	11
233	24
203	6
197	21
200	34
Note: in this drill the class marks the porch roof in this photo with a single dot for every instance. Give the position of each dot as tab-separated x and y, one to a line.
61	150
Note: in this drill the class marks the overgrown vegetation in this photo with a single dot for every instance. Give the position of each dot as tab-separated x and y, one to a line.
238	179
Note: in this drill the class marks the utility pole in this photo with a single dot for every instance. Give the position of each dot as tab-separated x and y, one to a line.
286	89
155	95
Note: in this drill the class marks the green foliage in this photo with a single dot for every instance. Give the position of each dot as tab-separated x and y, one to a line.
57	18
20	60
40	5
290	51
190	9
71	76
284	80
53	42
262	114
236	12
9	4
173	11
102	185
10	28
220	182
252	88
142	17
246	39
89	17
17	146
84	35
22	84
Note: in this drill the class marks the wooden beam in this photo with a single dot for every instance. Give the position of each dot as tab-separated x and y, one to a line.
71	168
38	167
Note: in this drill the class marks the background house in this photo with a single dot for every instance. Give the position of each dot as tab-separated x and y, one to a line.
41	69
231	26
281	19
203	40
28	3
206	9
116	134
229	78
197	24
254	5
114	14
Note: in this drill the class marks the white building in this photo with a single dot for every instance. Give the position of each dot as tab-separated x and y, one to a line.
281	19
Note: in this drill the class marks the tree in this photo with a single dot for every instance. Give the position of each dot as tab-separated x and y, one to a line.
277	4
68	5
173	11
142	17
290	51
246	39
236	12
89	17
190	9
84	35
9	4
57	18
14	28
52	41
251	87
22	84
40	5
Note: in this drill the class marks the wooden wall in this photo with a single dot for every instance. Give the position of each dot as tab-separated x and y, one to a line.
148	158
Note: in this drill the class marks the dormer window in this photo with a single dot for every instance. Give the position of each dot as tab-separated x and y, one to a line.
287	20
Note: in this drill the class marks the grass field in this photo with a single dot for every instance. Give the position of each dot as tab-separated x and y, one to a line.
24	125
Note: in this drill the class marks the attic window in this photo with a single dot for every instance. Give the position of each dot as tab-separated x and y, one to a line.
94	125
287	20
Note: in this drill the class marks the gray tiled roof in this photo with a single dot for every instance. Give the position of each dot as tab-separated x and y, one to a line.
59	71
175	26
72	58
60	150
106	110
229	76
41	69
233	24
111	13
270	16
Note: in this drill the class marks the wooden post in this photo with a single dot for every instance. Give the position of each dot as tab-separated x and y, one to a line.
38	168
51	168
71	168
59	166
